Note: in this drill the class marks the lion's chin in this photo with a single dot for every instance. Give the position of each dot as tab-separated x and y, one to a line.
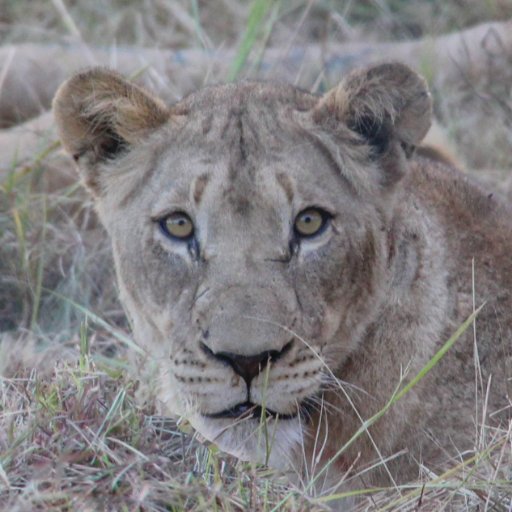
273	442
249	410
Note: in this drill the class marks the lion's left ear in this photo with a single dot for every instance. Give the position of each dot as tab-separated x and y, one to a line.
382	103
100	115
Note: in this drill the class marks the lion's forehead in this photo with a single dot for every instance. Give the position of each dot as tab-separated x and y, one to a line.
246	162
255	129
242	94
244	146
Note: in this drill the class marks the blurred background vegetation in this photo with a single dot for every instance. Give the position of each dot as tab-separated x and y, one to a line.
185	23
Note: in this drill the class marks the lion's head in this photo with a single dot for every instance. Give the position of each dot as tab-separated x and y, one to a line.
249	225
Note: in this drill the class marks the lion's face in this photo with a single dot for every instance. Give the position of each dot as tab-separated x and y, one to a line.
249	234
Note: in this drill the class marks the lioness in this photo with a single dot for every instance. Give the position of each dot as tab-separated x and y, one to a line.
289	263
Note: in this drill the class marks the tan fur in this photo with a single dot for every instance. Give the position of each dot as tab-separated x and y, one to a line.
345	315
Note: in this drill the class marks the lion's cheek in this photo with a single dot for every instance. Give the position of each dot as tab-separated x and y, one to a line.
319	289
171	398
155	287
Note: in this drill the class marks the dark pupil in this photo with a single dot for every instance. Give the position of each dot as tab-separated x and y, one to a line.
308	219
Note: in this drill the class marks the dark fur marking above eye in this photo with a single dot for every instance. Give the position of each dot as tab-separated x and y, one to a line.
199	187
286	184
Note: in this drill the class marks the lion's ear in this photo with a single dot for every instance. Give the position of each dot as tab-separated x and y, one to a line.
100	115
382	103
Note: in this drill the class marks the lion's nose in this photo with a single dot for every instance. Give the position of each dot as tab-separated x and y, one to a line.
248	367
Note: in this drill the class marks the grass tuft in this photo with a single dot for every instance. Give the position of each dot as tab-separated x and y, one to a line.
77	436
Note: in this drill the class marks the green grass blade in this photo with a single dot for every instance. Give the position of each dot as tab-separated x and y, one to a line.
259	10
439	354
102	323
39	273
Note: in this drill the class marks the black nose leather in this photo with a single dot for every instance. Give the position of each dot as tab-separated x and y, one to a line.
248	367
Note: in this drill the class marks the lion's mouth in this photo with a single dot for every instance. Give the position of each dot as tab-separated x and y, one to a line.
248	410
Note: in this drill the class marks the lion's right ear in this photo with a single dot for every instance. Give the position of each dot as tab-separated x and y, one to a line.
388	106
99	115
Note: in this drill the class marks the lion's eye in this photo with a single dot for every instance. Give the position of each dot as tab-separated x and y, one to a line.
177	225
310	222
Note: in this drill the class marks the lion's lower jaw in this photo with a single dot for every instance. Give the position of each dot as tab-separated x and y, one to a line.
277	443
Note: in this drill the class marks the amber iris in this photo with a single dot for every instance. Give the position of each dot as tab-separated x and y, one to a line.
178	225
310	222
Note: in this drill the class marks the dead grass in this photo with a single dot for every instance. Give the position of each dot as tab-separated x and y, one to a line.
204	23
73	434
75	439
